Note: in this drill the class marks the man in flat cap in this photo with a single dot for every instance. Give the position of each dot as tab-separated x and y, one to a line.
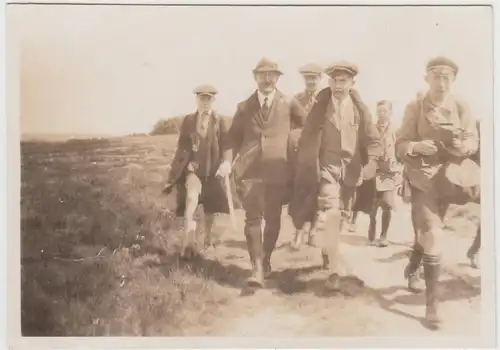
435	141
194	169
258	137
338	148
312	78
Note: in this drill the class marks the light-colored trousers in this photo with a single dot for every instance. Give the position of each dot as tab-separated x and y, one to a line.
334	210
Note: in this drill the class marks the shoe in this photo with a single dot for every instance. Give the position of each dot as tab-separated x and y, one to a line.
311	241
383	242
333	282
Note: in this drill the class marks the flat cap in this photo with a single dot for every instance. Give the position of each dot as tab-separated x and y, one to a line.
441	62
311	69
342	66
205	90
267	65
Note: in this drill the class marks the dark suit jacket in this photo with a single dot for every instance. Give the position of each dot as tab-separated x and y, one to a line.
216	134
307	176
260	147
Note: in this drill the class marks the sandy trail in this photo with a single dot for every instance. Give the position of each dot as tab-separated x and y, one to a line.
293	302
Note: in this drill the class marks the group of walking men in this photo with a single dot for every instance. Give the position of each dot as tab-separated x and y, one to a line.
321	154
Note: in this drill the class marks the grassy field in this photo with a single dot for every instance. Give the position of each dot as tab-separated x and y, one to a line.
98	243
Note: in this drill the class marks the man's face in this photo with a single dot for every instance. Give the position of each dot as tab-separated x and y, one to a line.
340	84
384	113
440	81
204	102
266	81
312	81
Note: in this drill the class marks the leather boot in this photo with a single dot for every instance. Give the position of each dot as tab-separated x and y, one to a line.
372	228
253	235
297	240
412	269
386	221
325	260
352	222
311	239
432	269
333	282
266	267
257	277
474	249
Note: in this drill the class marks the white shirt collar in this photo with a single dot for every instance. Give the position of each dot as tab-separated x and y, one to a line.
314	93
270	97
341	103
207	112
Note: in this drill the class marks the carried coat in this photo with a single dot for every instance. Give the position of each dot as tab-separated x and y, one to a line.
216	134
307	175
260	146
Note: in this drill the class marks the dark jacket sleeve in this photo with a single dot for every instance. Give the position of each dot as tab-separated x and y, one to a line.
298	113
235	133
227	152
182	154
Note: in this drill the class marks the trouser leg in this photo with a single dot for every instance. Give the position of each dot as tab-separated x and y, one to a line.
430	216
413	268
352	222
372	228
387	200
312	232
332	215
273	205
253	206
474	248
193	190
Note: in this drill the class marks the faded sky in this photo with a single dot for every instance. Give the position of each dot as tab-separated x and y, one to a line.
113	70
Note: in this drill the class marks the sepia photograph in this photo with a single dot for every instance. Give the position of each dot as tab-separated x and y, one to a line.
252	172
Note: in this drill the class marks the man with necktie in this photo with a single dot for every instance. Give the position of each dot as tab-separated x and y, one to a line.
338	148
194	170
312	77
258	137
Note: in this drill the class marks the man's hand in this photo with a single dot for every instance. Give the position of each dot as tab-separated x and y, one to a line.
191	167
370	170
457	143
426	148
224	169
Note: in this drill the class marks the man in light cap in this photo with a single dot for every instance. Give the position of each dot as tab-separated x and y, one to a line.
338	148
312	78
258	137
436	138
194	169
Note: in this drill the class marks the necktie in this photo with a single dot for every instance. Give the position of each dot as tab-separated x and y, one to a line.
204	123
265	109
310	100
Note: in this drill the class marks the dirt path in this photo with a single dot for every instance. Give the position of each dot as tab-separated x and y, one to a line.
294	303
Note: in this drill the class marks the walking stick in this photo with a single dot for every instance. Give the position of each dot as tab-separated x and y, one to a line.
230	201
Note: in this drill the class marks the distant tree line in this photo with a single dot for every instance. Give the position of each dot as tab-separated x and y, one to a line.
169	126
